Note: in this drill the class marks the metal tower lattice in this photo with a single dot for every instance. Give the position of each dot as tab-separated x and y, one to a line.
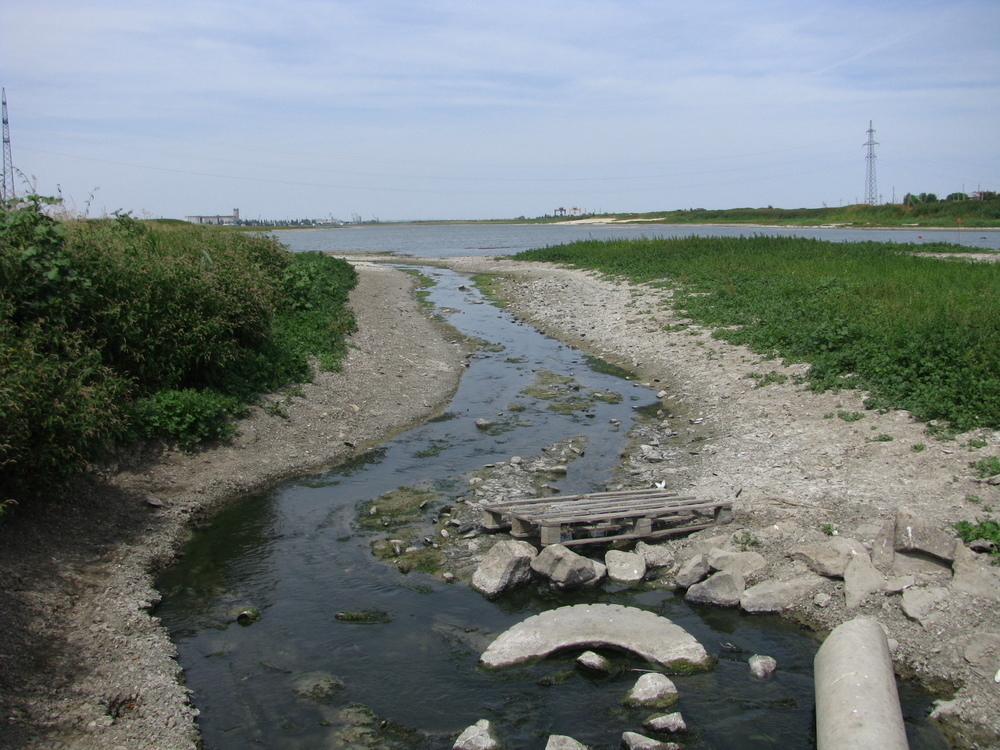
7	187
871	189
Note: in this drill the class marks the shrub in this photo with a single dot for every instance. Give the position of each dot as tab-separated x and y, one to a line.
112	330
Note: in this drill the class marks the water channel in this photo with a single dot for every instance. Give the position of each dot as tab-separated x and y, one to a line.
301	678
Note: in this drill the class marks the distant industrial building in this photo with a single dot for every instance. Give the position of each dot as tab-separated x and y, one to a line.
216	220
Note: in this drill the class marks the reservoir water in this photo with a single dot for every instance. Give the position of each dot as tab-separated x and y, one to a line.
448	240
299	677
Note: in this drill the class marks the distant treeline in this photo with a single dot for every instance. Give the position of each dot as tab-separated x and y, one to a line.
917	210
916	332
115	330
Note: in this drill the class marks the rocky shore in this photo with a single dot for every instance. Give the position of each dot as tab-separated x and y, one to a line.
83	664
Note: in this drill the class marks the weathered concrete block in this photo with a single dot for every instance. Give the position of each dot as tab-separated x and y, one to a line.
915	533
920	603
625	567
861	579
829	558
566	569
507	564
650	636
775	596
655	555
727	561
720	589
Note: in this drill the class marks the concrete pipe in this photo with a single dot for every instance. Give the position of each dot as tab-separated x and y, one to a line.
856	700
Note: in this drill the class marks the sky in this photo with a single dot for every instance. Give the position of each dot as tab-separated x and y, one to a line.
461	109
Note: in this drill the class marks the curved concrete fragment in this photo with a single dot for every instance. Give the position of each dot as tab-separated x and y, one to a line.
652	637
856	700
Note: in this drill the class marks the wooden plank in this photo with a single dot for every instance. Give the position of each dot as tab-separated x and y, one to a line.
625	537
655	512
587	507
624	494
558	509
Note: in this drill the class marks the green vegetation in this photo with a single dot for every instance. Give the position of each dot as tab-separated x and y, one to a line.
918	333
923	210
115	330
986	467
985	528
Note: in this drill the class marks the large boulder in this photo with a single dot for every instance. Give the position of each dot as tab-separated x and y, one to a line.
625	567
861	579
775	596
507	564
652	690
562	742
916	534
829	558
727	561
480	736
566	569
720	589
692	570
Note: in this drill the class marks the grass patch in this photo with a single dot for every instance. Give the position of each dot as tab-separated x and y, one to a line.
986	528
918	333
986	467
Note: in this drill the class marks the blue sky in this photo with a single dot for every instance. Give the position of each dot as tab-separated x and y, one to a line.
452	109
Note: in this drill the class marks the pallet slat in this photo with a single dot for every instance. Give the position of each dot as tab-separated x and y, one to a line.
634	514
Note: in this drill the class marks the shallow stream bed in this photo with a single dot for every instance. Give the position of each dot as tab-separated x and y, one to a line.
349	651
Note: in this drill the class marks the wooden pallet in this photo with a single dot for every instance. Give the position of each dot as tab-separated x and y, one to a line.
602	517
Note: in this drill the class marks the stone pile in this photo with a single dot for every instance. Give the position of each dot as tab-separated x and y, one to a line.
908	556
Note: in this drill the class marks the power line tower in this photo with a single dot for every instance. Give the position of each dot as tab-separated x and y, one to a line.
871	191
7	187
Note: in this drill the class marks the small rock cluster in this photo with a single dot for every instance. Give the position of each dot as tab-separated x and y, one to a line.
653	690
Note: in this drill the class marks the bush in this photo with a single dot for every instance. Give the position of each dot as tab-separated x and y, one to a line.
112	330
190	416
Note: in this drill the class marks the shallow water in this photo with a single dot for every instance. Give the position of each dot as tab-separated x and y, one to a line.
296	556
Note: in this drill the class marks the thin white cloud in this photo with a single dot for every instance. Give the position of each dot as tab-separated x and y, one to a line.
490	91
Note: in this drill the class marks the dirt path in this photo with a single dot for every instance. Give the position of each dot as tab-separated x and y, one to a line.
83	665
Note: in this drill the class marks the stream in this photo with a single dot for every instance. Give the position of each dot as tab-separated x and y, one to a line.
407	676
